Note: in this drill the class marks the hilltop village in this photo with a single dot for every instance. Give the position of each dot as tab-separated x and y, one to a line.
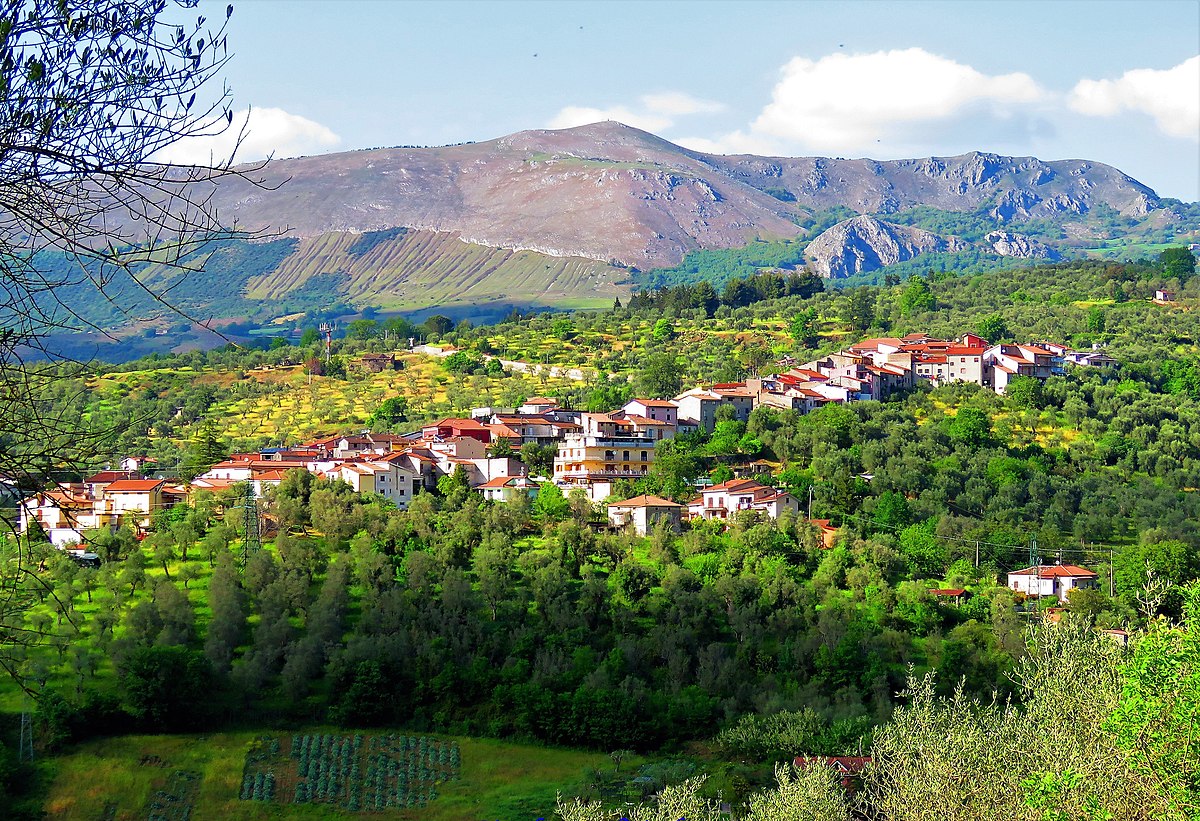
595	454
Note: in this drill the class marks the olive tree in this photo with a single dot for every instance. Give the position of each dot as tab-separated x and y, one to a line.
91	93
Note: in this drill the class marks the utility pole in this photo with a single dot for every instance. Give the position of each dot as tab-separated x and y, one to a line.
25	747
1110	571
976	553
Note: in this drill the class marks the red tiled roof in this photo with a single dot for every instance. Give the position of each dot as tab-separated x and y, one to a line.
947	591
1056	571
653	403
735	485
134	486
109	476
645	501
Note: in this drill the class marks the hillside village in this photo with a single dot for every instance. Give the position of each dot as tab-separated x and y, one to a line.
594	452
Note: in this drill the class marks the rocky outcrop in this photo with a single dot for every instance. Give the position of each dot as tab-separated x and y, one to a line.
862	244
1019	246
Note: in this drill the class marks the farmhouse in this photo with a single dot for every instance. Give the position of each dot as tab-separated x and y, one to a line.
643	513
1052	580
728	498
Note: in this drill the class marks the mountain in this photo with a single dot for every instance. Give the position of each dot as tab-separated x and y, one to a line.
864	243
574	217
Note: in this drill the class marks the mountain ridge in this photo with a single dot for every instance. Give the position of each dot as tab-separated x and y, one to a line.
613	193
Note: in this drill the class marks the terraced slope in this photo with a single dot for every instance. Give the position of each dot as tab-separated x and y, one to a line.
414	269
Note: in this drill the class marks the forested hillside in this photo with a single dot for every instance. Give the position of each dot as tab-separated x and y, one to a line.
730	647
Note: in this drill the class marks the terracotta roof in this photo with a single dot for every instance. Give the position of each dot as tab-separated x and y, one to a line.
645	421
645	501
734	485
653	403
109	476
1056	571
461	424
269	475
134	486
540	400
947	591
497	481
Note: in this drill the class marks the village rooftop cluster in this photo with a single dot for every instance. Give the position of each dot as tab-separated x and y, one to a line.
595	451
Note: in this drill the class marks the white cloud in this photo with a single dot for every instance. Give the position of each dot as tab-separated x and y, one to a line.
654	113
679	104
573	115
846	103
267	131
1170	96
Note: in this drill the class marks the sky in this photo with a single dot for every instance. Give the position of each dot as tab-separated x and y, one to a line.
1109	81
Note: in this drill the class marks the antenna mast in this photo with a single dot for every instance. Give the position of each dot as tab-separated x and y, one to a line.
327	330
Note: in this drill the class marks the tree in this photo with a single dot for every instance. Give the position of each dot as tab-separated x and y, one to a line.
550	502
916	298
94	91
993	328
660	376
206	450
663	331
972	427
804	328
166	687
1178	262
438	324
858	308
390	412
362	329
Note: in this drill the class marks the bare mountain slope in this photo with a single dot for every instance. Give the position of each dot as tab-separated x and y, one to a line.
609	192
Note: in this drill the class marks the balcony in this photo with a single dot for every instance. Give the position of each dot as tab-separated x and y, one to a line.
579	473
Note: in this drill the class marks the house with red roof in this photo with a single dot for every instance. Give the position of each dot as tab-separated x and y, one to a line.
97	482
452	427
1053	580
643	513
508	488
660	410
136	499
731	497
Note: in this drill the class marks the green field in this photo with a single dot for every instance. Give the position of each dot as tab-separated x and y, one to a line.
118	779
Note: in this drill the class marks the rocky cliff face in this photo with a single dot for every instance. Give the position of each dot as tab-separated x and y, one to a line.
1010	188
1019	246
863	244
612	193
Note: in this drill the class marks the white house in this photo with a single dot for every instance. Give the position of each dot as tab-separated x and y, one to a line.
644	512
728	498
1052	580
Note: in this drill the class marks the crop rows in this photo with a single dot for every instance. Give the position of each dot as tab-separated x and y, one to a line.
352	772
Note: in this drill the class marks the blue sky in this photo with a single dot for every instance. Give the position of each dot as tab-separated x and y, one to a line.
1115	82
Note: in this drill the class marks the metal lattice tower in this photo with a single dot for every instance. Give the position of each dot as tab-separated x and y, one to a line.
252	541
